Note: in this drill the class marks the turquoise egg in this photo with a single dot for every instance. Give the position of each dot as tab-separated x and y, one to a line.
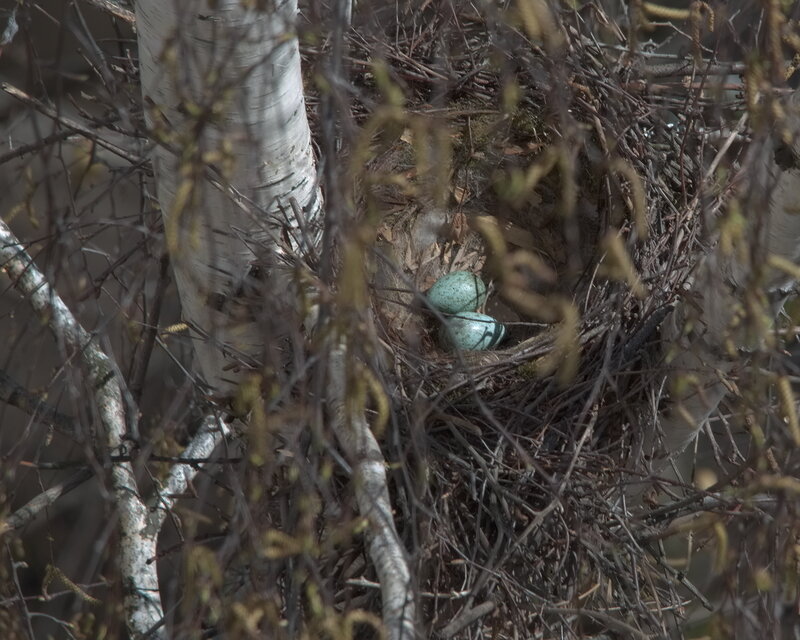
457	291
470	331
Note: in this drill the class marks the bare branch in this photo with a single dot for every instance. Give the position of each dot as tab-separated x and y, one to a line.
142	600
372	494
35	506
115	9
72	125
35	405
209	436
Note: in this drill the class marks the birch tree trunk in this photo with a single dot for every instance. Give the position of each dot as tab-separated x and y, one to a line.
237	187
224	100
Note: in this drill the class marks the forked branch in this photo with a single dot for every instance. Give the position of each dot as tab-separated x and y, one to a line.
142	601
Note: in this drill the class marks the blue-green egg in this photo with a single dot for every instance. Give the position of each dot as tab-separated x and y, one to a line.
457	291
470	331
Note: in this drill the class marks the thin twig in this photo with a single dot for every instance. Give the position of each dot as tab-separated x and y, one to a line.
35	405
70	124
145	350
115	9
36	505
466	618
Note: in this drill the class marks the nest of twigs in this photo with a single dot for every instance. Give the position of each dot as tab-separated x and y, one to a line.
575	159
586	163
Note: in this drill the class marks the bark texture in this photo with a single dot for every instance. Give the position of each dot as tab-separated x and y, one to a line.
224	100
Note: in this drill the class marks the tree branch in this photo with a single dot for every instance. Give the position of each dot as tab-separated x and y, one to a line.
372	495
14	394
36	505
209	436
142	600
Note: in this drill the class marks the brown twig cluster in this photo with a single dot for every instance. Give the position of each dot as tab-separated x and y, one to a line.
584	161
522	469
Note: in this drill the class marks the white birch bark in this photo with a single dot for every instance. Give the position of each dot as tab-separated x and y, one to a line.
223	86
142	599
223	96
372	495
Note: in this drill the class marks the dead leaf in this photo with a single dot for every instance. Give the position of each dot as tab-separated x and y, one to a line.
385	233
513	150
459	227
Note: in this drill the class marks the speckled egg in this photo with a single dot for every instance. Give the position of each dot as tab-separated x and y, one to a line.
457	291
470	331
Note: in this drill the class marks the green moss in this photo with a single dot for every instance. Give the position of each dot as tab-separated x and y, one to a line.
527	124
528	370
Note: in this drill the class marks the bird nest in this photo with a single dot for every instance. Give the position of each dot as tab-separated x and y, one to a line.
557	156
538	152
